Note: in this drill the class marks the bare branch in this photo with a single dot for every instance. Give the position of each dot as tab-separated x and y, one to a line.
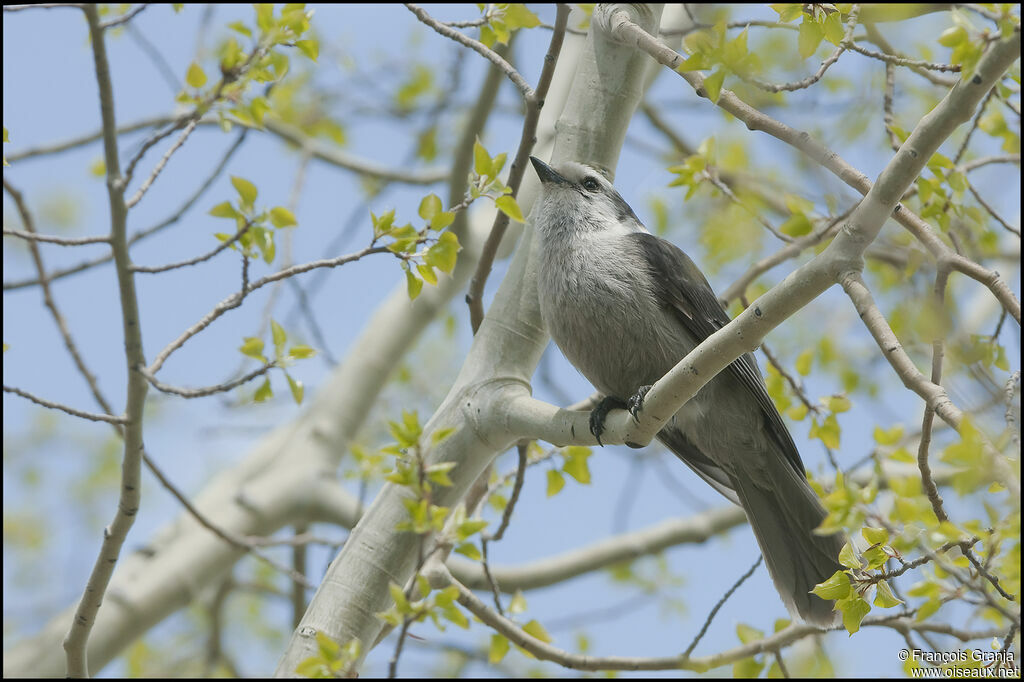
208	390
235	300
124	18
92	416
52	239
474	45
162	162
128	503
198	259
534	102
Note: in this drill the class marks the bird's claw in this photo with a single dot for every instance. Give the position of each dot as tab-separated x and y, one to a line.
600	413
636	402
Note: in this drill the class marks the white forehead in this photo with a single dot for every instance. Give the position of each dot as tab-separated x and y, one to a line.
574	171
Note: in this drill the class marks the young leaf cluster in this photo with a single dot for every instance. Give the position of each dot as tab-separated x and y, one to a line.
253	347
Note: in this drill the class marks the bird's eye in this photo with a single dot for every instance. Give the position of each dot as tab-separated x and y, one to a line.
591	184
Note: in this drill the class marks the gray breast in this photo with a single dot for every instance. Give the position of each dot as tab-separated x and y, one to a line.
603	315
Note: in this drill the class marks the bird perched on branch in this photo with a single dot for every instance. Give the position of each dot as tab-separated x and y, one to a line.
625	306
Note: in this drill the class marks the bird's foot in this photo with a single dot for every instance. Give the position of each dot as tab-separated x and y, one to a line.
600	413
636	403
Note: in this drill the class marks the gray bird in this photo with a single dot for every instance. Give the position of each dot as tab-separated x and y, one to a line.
624	306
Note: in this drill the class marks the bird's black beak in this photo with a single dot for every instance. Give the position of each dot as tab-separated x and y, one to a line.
546	173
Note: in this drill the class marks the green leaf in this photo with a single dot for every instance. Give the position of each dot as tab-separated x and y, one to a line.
797	225
833	28
713	84
748	634
223	210
498	648
518	603
413	285
442	255
430	206
469	550
442	220
747	668
195	76
848	557
301	352
890	437
263	392
537	630
788	11
810	37
518	16
482	164
804	361
854	609
884	596
427	273
253	347
838	403
555	482
297	388
507	205
264	16
279	336
246	190
310	48
282	217
874	536
836	587
576	463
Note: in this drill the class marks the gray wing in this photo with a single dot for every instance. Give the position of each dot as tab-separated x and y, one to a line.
683	289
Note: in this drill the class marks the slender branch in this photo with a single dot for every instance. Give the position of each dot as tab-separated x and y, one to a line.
92	416
938	352
51	303
887	102
235	299
725	597
474	45
792	250
896	60
208	390
534	102
162	162
992	212
149	231
128	504
776	642
124	18
875	36
845	44
198	259
52	239
224	534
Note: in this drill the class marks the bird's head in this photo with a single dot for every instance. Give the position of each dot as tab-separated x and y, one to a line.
579	198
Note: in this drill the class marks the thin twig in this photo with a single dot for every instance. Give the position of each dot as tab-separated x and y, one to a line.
162	162
92	416
844	44
534	101
474	45
721	602
124	18
992	212
207	390
198	259
235	300
887	102
53	239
